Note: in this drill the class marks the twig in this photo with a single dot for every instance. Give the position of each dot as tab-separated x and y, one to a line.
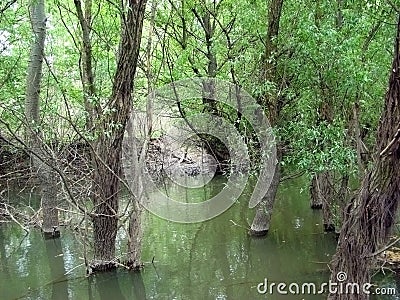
292	176
14	219
385	248
394	140
239	225
76	267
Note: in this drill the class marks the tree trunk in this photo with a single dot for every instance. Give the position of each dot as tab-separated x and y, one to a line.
108	147
135	237
135	232
41	156
87	76
315	199
50	188
361	149
133	164
262	218
371	215
327	194
322	196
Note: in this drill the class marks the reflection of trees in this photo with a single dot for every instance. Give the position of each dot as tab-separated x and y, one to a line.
3	257
57	269
108	286
218	258
138	289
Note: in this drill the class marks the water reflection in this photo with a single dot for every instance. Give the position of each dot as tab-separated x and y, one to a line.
138	290
107	286
3	257
59	285
210	260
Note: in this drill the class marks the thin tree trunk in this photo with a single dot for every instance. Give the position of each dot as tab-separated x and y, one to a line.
315	199
361	150
87	76
108	147
370	217
327	194
41	157
322	196
135	232
261	222
262	218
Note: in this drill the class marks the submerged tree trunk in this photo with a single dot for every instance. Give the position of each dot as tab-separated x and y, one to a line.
41	156
322	196
135	181
327	194
261	221
371	215
108	146
132	171
135	236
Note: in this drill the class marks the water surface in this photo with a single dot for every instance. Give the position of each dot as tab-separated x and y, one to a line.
210	260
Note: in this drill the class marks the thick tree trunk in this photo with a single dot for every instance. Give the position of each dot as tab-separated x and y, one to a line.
108	147
371	215
41	158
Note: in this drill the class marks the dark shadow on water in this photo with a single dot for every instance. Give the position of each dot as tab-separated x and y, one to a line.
138	289
107	285
59	289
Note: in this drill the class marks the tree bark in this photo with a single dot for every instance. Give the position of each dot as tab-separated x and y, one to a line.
108	146
322	196
362	152
261	221
135	232
41	156
315	199
87	76
371	215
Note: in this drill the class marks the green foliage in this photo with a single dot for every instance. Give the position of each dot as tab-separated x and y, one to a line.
318	60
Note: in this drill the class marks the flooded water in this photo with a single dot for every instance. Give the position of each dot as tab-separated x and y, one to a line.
210	260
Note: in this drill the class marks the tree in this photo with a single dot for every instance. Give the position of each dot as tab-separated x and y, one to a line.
110	127
87	76
371	215
272	102
41	154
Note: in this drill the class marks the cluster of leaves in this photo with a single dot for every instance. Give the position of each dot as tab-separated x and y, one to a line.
326	53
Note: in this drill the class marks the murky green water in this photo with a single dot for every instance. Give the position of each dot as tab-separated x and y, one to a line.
211	260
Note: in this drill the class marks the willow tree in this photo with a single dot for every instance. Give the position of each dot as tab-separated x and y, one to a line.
42	157
261	221
109	127
369	218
